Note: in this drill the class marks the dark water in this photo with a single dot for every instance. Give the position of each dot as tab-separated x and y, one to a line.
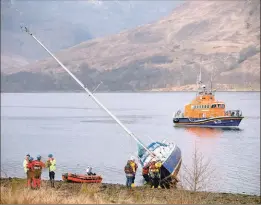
78	133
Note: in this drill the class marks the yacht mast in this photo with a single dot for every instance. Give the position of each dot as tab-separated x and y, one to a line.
90	93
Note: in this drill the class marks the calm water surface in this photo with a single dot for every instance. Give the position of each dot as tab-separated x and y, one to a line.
78	133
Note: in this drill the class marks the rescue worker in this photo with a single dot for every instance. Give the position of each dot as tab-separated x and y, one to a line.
30	173
26	160
154	172
145	173
37	166
129	174
134	167
51	164
89	170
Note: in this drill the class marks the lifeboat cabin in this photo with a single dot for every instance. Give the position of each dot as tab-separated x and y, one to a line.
206	111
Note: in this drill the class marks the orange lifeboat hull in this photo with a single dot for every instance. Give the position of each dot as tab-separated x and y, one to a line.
78	178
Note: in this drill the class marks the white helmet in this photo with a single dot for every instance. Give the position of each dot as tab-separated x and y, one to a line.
132	158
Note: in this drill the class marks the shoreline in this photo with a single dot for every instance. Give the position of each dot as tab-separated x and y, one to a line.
14	191
182	88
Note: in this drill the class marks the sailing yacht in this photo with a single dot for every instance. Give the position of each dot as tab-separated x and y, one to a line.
168	153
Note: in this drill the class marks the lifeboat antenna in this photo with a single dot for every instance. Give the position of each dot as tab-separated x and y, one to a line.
200	76
211	82
199	80
89	93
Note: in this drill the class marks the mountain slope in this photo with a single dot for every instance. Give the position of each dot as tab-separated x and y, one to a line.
223	37
12	63
62	24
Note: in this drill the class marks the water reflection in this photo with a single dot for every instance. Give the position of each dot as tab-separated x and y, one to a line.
208	131
204	132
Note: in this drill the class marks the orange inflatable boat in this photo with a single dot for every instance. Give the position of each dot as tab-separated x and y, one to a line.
80	178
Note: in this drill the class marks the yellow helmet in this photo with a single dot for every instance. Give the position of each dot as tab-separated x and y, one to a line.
158	164
132	185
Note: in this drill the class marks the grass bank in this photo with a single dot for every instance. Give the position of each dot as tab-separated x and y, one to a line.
13	191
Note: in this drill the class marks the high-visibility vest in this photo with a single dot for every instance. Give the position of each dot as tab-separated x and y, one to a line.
153	168
52	165
25	166
134	166
158	164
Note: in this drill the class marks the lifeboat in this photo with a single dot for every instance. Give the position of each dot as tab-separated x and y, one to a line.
80	178
205	111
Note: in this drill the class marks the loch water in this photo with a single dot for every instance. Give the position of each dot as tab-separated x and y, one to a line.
78	133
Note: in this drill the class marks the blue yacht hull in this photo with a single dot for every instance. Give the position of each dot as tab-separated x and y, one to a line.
226	121
171	164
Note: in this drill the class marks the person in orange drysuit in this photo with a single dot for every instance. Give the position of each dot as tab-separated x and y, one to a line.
30	173
145	173
37	166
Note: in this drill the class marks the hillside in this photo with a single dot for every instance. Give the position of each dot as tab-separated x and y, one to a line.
223	37
62	24
15	61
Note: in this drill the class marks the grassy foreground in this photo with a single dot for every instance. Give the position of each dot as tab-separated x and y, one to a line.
13	191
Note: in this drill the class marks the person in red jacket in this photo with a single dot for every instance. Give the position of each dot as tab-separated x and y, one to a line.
30	173
37	167
145	173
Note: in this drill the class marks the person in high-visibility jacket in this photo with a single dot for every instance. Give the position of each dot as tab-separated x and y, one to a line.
154	172
129	174
37	167
26	160
51	164
134	167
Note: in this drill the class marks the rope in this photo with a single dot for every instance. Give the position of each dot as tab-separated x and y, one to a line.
97	87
